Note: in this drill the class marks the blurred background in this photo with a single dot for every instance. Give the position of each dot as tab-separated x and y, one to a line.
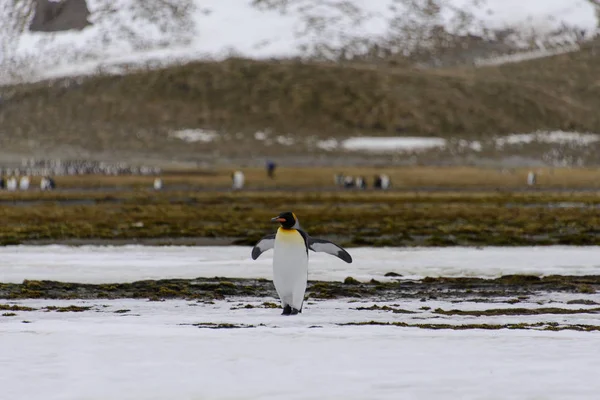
177	102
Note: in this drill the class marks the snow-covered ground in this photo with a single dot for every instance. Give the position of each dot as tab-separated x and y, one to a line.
106	264
213	29
135	349
141	350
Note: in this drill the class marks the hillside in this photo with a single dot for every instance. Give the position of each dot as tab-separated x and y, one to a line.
302	101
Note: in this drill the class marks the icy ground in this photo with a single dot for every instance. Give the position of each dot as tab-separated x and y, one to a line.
136	349
530	347
106	264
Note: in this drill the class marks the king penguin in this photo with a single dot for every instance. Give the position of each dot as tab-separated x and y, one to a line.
290	259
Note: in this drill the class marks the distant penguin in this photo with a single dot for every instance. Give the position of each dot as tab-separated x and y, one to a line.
531	178
237	180
361	182
271	169
377	182
44	183
338	179
2	183
348	182
290	259
385	182
11	184
24	183
158	184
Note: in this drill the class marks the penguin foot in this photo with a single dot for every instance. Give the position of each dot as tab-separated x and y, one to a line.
294	311
287	310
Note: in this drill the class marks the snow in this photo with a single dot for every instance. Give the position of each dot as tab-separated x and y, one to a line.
153	352
106	264
562	137
138	349
524	56
260	135
384	144
328	144
474	145
285	140
543	16
195	135
303	28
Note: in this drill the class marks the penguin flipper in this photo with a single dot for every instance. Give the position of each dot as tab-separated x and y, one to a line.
325	246
264	244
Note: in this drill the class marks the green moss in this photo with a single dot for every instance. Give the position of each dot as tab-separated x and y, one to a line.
544	326
440	241
14	307
351	281
586	289
512	287
464	219
212	325
168	292
583	302
71	308
517	311
519	279
395	310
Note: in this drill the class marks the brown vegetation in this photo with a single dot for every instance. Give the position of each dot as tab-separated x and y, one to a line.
135	112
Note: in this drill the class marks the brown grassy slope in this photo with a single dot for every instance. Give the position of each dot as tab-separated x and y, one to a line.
561	92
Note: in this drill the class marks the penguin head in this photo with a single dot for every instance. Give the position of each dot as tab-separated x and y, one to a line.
287	220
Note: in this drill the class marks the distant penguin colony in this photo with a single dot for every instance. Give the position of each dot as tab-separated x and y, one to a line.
290	259
382	181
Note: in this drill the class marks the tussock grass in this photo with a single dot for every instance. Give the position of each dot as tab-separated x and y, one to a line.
199	205
377	219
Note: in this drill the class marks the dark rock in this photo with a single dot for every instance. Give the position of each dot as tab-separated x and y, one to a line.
51	16
393	274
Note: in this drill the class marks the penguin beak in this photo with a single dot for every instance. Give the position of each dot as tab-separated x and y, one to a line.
277	219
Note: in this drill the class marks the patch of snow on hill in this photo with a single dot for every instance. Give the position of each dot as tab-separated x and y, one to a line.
386	144
195	135
559	137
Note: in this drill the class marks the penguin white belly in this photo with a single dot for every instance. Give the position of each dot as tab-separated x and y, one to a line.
290	267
